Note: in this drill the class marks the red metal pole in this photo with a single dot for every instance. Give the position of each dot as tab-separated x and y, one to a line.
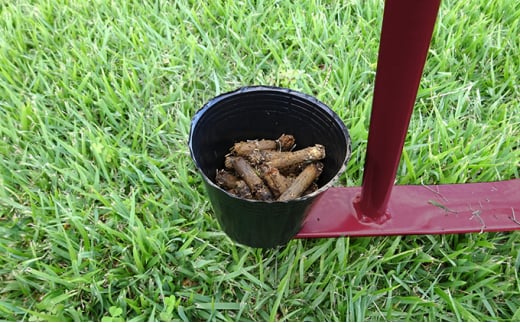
405	39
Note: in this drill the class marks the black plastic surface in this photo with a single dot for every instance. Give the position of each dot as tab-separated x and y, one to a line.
261	112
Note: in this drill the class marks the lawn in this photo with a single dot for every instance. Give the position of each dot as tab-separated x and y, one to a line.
104	217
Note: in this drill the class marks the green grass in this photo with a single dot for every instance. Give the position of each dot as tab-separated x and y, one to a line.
102	213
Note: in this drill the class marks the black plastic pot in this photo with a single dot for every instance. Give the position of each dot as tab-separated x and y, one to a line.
261	112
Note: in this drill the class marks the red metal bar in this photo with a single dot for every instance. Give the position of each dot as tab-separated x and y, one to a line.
412	209
419	209
405	39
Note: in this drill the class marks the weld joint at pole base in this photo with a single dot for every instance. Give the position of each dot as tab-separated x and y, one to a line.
370	218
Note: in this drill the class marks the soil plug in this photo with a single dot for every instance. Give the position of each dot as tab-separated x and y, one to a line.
308	154
233	184
226	180
285	142
276	181
244	148
242	190
228	162
257	157
302	182
248	174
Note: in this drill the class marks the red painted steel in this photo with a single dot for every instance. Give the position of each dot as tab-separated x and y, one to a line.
380	208
419	209
405	39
